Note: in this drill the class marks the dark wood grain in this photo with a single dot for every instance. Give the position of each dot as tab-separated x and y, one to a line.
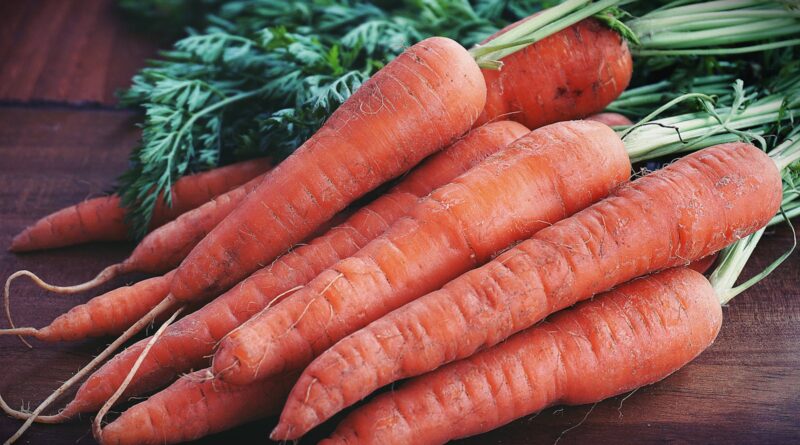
73	51
744	389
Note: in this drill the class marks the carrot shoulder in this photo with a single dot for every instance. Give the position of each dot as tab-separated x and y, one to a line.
610	119
103	218
196	334
683	212
417	104
539	179
571	74
632	336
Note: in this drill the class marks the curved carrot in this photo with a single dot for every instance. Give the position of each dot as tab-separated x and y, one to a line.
417	104
539	179
703	264
196	334
103	219
686	211
610	119
573	73
629	337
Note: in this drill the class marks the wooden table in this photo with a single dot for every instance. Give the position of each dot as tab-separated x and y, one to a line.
62	140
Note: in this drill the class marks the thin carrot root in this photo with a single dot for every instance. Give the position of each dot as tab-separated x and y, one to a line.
34	416
97	428
104	276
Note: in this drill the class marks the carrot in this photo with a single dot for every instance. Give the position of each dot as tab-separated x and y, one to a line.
573	73
197	334
196	406
629	337
103	219
686	211
610	119
417	104
539	179
703	264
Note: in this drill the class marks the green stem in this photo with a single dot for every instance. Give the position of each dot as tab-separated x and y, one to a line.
536	28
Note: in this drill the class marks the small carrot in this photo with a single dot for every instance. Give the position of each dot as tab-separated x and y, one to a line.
629	337
195	406
420	102
103	219
539	179
610	119
197	334
686	211
571	74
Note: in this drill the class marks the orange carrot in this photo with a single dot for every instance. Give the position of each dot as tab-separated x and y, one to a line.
417	104
686	211
196	406
196	334
573	73
703	264
632	336
610	119
103	219
539	179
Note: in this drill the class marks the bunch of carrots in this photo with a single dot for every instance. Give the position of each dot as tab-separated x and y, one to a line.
511	265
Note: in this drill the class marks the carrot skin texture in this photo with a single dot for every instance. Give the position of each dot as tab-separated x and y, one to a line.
187	343
539	179
163	249
103	218
110	313
633	336
685	211
571	74
194	407
610	119
417	104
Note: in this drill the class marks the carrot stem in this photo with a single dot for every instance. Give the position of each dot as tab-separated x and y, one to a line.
97	428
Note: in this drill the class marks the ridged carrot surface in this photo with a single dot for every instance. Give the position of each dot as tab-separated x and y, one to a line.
632	336
420	102
186	344
539	179
685	211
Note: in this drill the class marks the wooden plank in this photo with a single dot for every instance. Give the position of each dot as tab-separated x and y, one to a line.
745	388
73	51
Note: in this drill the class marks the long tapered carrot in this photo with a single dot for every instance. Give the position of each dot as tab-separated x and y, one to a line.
164	248
103	219
683	212
195	335
629	337
195	406
539	179
417	104
571	74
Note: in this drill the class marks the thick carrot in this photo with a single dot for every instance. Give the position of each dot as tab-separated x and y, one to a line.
417	104
539	179
196	406
632	336
103	219
610	119
197	334
686	211
573	73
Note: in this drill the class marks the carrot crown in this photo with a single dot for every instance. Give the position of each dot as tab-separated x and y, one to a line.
746	116
733	258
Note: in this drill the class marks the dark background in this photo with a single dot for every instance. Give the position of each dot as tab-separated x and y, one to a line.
62	140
